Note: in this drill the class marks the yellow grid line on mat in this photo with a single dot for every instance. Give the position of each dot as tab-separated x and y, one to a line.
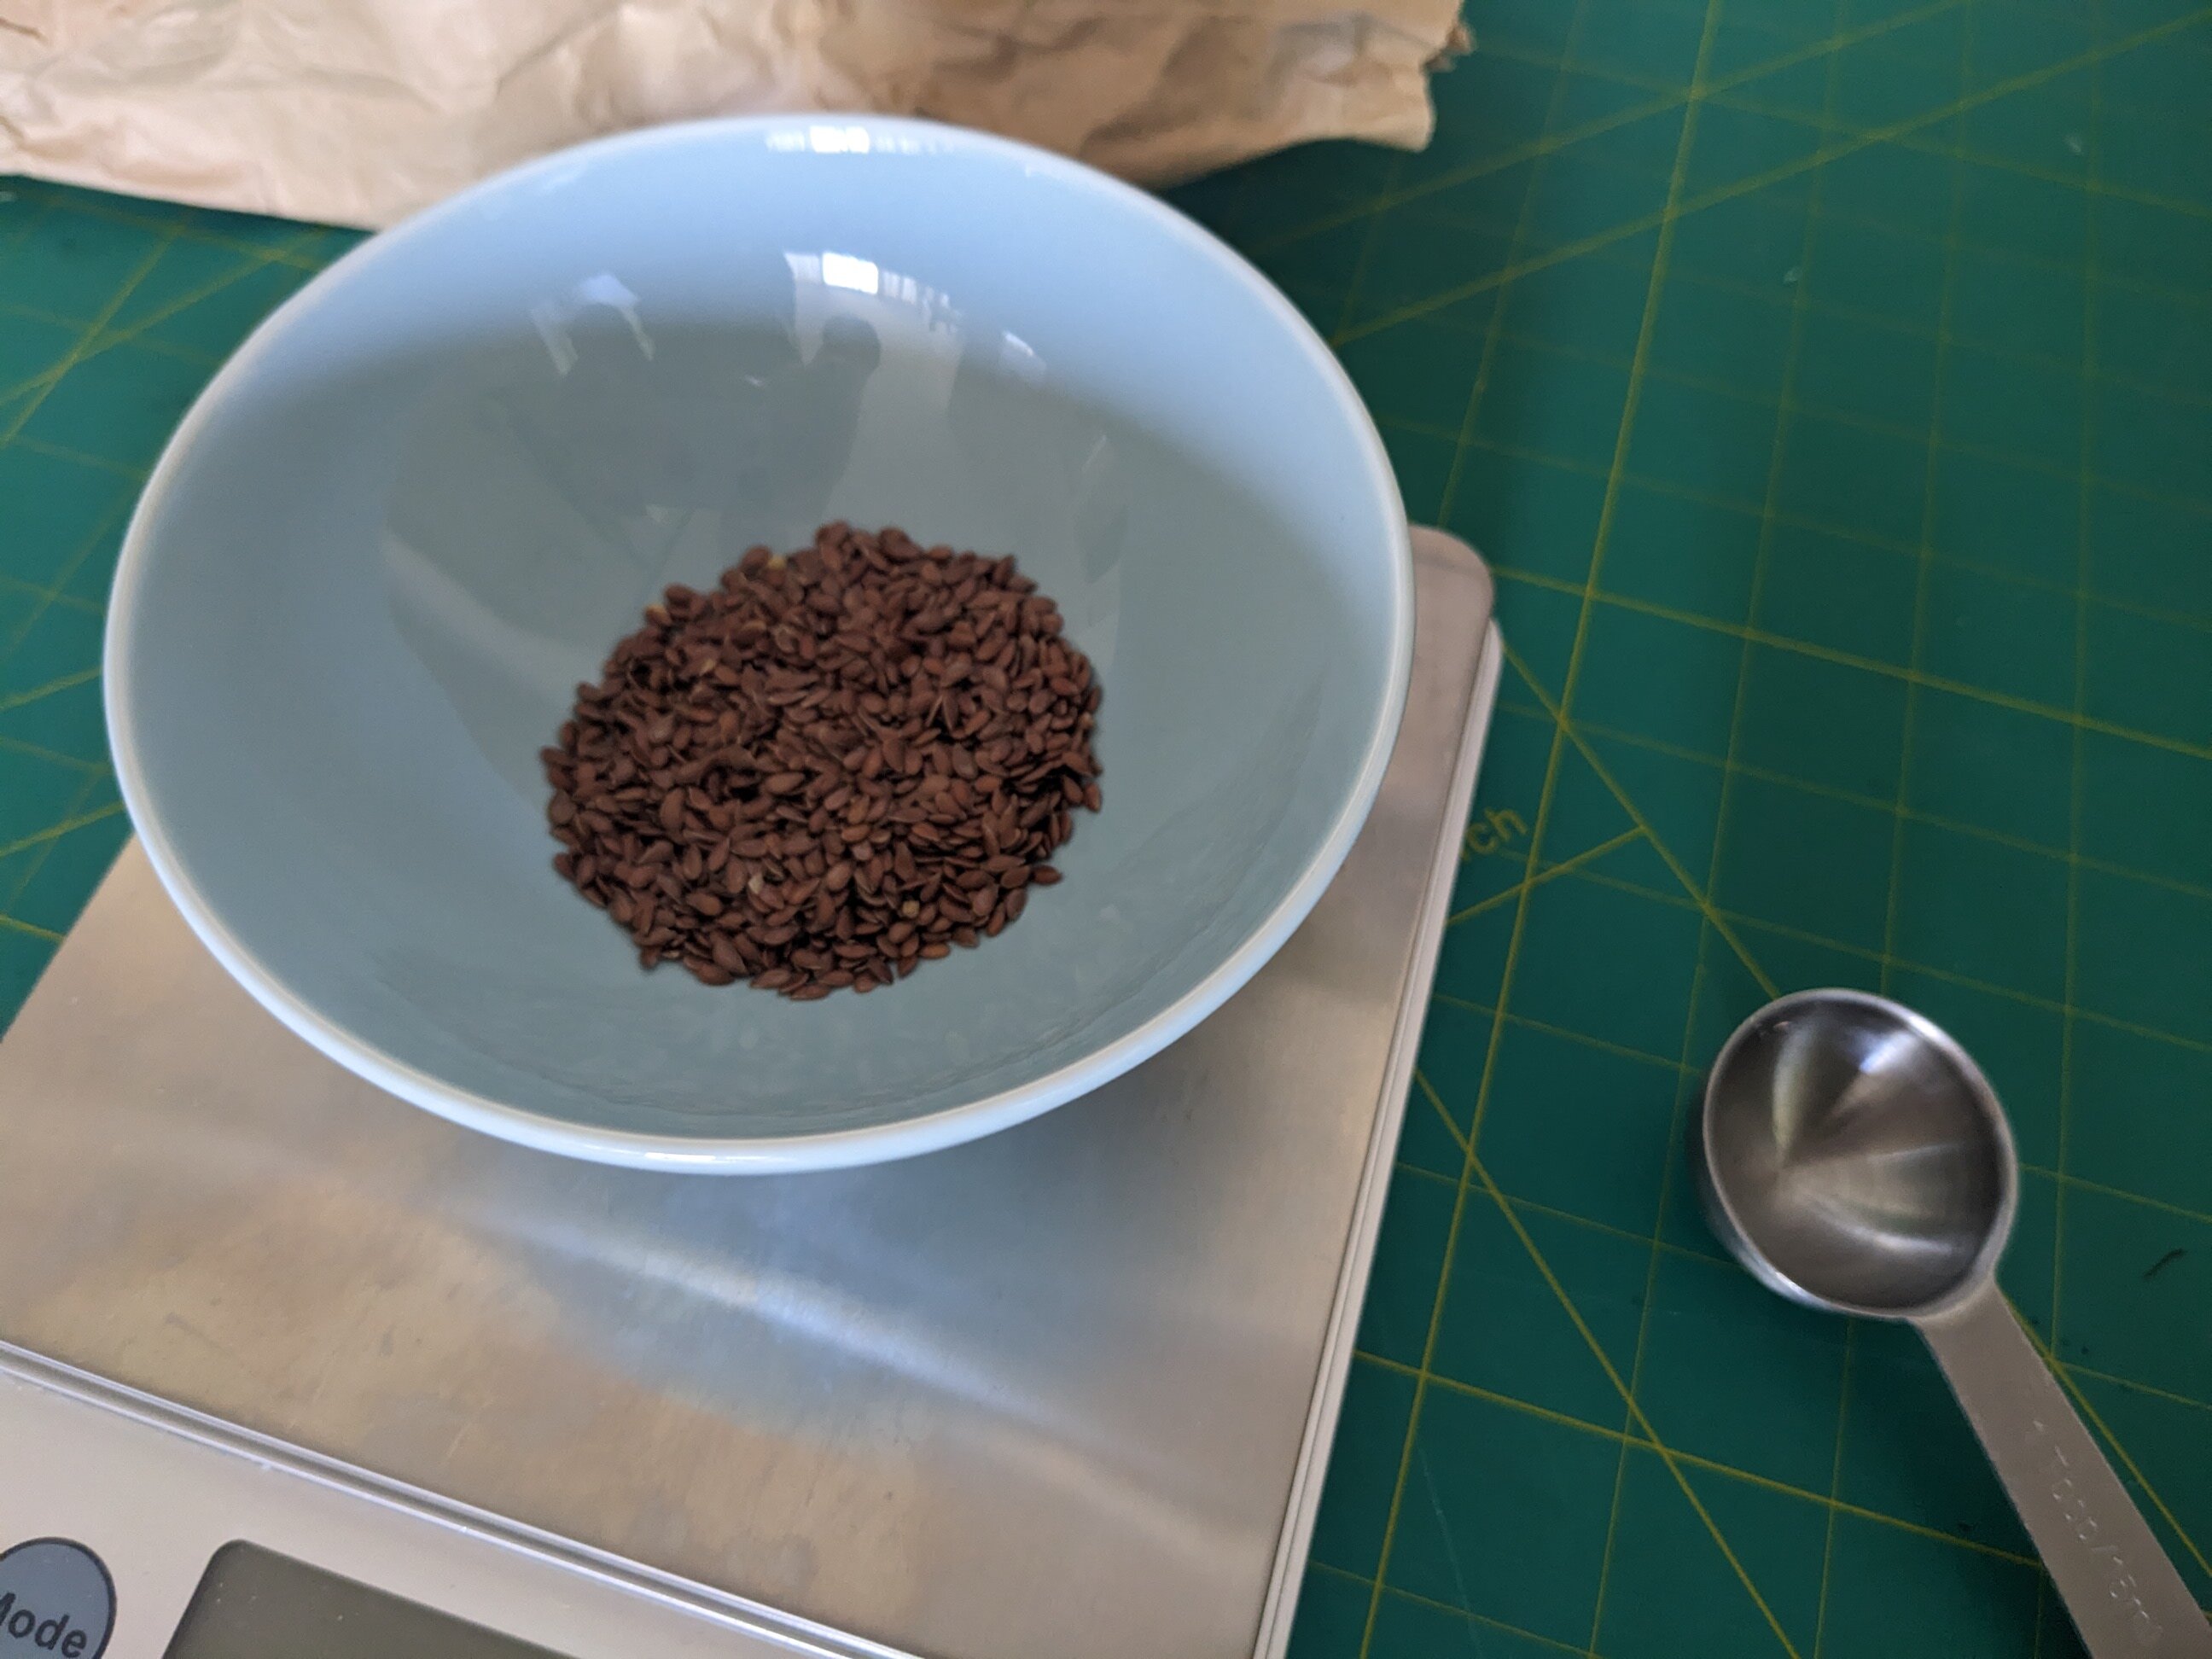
1549	872
1674	1461
39	591
2179	205
2026	999
1443	1113
1924	553
1482	1619
78	352
41	847
1871	666
61	683
1692	1254
51	594
1835	1487
2076	1368
99	337
82	457
1472	1169
2196	507
1529	1021
1774	175
2095	1419
52	757
1532	860
1553	144
1453	214
2077	797
1476	393
1728	96
1698	897
2198	622
119	211
1854	797
1493	330
54	832
1689	1460
1686	1095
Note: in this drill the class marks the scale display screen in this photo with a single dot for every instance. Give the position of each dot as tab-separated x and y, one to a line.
253	1603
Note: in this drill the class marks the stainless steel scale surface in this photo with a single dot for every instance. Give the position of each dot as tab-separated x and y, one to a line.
339	1377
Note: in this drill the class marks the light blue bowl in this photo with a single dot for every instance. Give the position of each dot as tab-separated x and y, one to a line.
430	492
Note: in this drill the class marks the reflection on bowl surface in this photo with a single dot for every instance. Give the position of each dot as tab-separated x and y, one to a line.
428	496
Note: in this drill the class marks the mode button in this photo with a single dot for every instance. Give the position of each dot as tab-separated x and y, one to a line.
55	1598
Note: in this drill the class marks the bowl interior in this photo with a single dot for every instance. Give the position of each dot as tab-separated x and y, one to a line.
428	496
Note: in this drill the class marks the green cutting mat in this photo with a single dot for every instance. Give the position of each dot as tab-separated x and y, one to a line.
1831	385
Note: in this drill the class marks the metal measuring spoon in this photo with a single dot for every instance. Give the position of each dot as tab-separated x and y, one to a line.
1855	1159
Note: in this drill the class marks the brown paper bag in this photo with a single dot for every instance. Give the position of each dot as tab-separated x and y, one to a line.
358	111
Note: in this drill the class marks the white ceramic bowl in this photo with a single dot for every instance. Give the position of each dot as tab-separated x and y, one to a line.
430	492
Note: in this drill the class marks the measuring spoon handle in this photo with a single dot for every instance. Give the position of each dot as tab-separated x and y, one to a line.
2123	1594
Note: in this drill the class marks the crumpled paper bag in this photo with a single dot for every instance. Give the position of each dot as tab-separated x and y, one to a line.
359	112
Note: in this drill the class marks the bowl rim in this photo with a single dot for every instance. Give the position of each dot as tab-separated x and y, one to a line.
812	1150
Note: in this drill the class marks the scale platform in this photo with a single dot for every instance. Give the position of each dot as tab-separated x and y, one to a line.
288	1367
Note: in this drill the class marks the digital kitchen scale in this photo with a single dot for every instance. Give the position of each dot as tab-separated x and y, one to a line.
287	1367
